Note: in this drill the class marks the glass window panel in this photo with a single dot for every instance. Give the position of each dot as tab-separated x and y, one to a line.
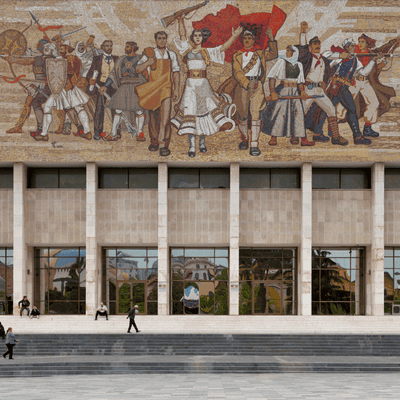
245	274
221	252
325	178
388	262
6	178
131	263
177	252
152	252
183	178
397	252
221	262
289	308
43	178
355	179
113	178
260	298
267	252
245	252
177	291
124	298
255	178
152	263
285	178
152	308
288	291
9	262
388	252
177	273
392	178
2	252
152	290
111	291
65	307
72	178
111	252
199	253
177	308
207	303
245	296
10	252
289	253
221	309
143	178
214	178
131	253
152	273
388	308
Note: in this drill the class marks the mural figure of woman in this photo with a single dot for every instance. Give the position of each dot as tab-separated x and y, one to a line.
285	117
201	111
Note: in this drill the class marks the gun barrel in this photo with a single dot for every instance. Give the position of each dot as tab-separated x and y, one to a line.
167	21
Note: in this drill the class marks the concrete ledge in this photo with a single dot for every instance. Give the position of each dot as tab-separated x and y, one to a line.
207	324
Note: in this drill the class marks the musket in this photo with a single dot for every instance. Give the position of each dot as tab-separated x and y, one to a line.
281	98
64	35
131	129
375	54
167	21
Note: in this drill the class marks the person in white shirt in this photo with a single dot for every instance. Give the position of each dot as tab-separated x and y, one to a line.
102	310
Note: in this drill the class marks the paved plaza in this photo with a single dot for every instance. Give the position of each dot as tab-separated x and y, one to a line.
204	386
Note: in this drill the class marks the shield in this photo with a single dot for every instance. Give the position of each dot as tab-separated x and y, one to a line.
19	46
56	69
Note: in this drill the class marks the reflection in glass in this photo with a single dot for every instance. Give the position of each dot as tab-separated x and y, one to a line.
254	178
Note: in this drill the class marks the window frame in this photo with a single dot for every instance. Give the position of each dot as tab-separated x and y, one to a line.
129	172
31	177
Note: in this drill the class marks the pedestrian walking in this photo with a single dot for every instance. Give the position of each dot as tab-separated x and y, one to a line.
131	316
24	305
10	343
2	331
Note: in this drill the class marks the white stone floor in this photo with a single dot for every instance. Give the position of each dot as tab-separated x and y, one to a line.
204	386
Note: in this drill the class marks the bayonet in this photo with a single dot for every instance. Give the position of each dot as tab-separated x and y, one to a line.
64	35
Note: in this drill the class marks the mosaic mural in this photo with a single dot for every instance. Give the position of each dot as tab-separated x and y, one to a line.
312	80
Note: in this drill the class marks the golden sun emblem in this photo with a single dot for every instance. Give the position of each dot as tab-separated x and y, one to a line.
128	65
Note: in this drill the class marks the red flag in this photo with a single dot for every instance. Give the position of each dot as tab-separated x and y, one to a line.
49	28
221	27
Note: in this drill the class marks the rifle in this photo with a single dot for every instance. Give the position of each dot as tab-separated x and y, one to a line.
281	98
375	54
167	21
131	129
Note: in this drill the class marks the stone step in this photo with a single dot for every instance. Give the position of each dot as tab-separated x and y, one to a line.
198	344
100	368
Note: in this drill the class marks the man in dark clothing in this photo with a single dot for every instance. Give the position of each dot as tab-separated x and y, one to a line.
24	305
131	316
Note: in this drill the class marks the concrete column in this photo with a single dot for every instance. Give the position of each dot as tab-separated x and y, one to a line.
91	238
378	243
19	246
163	259
234	240
304	277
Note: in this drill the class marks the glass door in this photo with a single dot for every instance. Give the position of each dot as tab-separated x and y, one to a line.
267	297
130	294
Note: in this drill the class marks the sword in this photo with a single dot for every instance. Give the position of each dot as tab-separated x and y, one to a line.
131	129
64	35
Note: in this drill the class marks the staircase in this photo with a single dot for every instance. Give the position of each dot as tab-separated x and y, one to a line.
61	354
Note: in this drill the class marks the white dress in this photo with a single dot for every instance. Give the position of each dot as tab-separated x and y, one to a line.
201	111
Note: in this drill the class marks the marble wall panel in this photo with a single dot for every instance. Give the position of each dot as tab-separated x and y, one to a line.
392	217
55	217
6	216
341	217
198	216
127	217
270	217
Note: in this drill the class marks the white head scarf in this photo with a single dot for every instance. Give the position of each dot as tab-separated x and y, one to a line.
292	60
80	54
